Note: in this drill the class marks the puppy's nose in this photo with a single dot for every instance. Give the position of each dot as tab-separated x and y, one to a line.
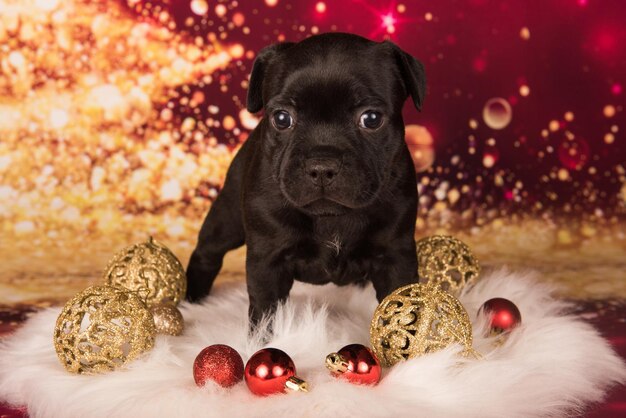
322	171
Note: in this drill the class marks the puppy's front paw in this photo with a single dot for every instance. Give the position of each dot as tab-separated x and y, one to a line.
194	292
199	279
257	317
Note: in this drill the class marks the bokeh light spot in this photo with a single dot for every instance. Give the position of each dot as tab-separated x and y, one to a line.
421	146
228	123
199	7
497	113
388	22
220	10
58	118
524	90
489	160
248	120
16	59
524	33
46	5
609	111
553	125
237	51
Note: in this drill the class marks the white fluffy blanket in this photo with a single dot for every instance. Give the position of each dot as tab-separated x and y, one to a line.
553	365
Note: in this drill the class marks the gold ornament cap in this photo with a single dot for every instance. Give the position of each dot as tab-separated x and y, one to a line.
295	384
337	363
150	269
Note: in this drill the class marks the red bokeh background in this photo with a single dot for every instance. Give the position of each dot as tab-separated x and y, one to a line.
557	63
80	179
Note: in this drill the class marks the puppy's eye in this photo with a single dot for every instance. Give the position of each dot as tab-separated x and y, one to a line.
370	119
282	120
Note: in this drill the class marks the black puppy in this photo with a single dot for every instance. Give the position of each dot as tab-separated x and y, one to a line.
324	189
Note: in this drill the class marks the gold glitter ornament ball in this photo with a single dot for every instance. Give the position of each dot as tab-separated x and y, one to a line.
168	319
101	329
415	320
446	262
151	270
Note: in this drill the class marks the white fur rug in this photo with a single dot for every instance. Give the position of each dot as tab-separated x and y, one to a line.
551	366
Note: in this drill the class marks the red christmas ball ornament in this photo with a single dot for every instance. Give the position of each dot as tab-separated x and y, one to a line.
503	315
270	371
219	363
356	363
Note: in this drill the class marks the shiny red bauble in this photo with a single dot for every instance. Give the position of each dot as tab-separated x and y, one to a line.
360	364
219	363
268	371
503	315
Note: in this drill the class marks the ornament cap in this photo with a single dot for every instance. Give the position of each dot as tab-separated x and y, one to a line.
337	363
356	363
295	384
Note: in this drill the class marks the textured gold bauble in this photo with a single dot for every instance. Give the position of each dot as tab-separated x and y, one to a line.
168	319
446	262
151	270
416	320
102	328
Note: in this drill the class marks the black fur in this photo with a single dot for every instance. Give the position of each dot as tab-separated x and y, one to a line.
326	200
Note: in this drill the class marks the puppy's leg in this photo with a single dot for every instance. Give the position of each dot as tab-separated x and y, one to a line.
268	285
398	268
221	232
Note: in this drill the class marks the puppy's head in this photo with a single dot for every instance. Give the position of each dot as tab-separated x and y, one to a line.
333	117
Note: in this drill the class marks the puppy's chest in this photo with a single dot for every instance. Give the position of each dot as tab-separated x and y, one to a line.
331	258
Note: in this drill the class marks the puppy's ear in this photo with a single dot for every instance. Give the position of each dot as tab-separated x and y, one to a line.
255	86
412	72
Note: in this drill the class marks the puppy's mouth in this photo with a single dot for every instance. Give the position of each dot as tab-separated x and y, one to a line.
325	207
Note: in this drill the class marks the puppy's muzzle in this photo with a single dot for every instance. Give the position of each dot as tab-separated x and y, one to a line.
322	171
